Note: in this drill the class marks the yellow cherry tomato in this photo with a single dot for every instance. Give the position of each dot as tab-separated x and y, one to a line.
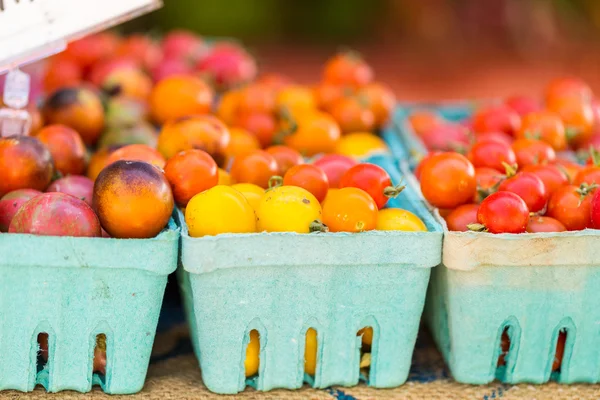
252	361
288	209
296	98
220	209
310	352
367	336
224	177
360	145
253	193
397	219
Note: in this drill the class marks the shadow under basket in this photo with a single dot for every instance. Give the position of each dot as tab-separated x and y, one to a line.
67	292
532	287
282	284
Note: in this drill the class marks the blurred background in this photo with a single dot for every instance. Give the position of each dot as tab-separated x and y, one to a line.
425	49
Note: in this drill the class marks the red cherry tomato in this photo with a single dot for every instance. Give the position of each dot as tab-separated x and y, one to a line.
462	216
523	105
487	181
503	212
334	166
539	224
589	174
448	180
497	136
498	118
571	207
529	151
419	166
528	187
492	154
308	177
551	175
372	179
570	168
424	120
446	137
286	157
595	211
255	167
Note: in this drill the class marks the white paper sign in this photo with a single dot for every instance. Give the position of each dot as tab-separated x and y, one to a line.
31	29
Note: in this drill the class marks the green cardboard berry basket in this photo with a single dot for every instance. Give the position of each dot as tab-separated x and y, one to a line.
530	286
282	284
73	289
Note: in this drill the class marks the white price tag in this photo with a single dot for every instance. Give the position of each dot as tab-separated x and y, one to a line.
31	29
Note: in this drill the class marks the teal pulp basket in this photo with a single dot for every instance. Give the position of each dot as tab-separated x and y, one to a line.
282	284
74	289
531	286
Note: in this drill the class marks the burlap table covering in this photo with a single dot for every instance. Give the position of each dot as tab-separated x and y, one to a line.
174	374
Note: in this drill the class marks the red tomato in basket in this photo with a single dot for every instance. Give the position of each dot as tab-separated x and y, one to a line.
488	180
461	217
497	136
503	212
539	224
523	105
372	179
446	137
571	206
335	166
530	151
499	118
552	176
309	177
448	180
595	211
528	187
492	154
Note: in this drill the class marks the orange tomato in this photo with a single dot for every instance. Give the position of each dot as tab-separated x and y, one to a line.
545	126
180	96
203	132
350	210
353	115
255	167
315	133
137	152
347	69
380	99
422	121
326	94
296	98
256	98
241	141
227	109
577	115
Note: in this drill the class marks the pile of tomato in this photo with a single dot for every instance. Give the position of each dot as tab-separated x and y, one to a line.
520	165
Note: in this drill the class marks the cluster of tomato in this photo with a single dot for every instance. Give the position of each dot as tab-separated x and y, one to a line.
513	167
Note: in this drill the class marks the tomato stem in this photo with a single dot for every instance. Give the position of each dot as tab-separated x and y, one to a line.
275	181
393	191
317	226
595	155
511	170
477	228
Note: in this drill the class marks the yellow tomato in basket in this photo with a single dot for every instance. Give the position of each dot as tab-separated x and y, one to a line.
310	352
252	361
296	98
221	209
360	145
253	193
288	209
397	219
